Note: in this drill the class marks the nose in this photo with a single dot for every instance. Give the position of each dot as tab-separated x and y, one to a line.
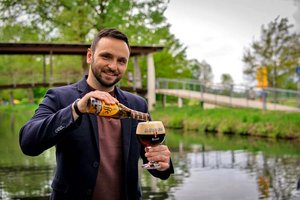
113	65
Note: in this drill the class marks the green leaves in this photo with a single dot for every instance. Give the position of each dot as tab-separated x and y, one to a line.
77	21
278	50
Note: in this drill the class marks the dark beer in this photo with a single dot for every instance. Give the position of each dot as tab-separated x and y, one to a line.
150	133
151	140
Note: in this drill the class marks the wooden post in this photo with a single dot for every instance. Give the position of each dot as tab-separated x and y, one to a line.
181	149
11	95
180	102
137	79
51	69
30	95
85	67
151	82
164	100
44	69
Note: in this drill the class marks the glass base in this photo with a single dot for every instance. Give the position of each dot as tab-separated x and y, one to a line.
151	165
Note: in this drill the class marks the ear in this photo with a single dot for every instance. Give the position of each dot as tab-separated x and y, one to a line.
89	56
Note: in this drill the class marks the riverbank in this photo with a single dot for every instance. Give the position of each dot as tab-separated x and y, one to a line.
252	122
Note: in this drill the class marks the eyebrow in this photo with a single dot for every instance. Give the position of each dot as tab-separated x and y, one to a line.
105	53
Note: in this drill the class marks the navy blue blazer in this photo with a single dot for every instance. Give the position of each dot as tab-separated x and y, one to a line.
76	143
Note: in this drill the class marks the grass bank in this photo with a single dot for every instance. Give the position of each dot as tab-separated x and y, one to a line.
252	122
19	108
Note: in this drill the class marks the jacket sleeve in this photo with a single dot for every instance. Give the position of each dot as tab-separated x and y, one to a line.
156	173
50	123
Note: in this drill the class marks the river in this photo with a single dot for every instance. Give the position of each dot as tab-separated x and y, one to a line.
207	166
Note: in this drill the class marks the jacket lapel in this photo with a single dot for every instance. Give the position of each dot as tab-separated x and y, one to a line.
126	136
126	125
83	88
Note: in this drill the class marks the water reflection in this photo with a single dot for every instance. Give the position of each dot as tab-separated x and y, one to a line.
206	167
218	167
240	175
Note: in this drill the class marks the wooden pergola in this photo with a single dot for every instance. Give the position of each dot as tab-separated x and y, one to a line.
64	49
81	49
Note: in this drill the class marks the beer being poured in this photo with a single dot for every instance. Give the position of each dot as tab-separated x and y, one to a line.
151	133
117	111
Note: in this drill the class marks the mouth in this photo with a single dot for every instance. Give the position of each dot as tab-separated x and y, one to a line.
110	76
110	72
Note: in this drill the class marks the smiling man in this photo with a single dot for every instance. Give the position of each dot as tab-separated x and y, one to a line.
97	157
108	60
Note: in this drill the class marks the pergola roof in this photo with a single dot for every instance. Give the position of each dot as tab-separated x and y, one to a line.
64	48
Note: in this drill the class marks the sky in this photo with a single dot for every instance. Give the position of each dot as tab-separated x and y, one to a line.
218	31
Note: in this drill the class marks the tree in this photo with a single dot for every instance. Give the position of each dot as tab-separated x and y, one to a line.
226	79
227	83
78	20
278	50
201	71
65	20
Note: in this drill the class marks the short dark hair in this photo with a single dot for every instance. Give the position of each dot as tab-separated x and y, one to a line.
109	32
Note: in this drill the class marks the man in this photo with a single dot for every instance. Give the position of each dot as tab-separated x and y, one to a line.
97	157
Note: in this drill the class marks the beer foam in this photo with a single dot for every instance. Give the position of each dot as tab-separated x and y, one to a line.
150	127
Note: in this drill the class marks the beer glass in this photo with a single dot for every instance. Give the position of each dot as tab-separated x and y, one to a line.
150	133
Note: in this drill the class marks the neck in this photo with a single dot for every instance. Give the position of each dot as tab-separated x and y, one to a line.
94	83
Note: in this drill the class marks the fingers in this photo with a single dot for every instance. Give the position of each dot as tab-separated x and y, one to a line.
104	96
160	154
100	95
163	166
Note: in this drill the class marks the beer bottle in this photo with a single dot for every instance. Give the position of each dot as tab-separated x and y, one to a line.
117	111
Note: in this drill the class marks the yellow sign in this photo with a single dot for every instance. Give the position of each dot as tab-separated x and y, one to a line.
262	77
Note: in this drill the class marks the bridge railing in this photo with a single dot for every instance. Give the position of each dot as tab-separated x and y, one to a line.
16	79
273	95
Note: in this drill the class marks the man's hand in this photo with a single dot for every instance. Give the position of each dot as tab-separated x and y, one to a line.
100	95
160	154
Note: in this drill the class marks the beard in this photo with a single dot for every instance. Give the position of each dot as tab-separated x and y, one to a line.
105	82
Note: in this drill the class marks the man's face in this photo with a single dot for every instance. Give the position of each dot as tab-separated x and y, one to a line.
109	61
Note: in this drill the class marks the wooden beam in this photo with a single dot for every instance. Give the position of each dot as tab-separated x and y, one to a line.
63	49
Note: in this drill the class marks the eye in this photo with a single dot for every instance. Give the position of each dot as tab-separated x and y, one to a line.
122	61
105	56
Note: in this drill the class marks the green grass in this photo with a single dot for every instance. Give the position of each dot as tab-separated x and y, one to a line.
270	124
18	108
252	122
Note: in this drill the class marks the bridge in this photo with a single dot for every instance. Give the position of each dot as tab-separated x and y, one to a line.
230	95
210	94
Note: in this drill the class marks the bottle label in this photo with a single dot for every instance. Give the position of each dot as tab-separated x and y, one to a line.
108	110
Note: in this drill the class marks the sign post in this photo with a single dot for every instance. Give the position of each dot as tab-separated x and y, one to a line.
298	72
262	77
262	82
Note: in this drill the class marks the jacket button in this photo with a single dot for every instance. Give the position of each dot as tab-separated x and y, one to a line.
95	164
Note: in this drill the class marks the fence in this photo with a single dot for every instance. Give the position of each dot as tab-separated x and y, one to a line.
243	92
